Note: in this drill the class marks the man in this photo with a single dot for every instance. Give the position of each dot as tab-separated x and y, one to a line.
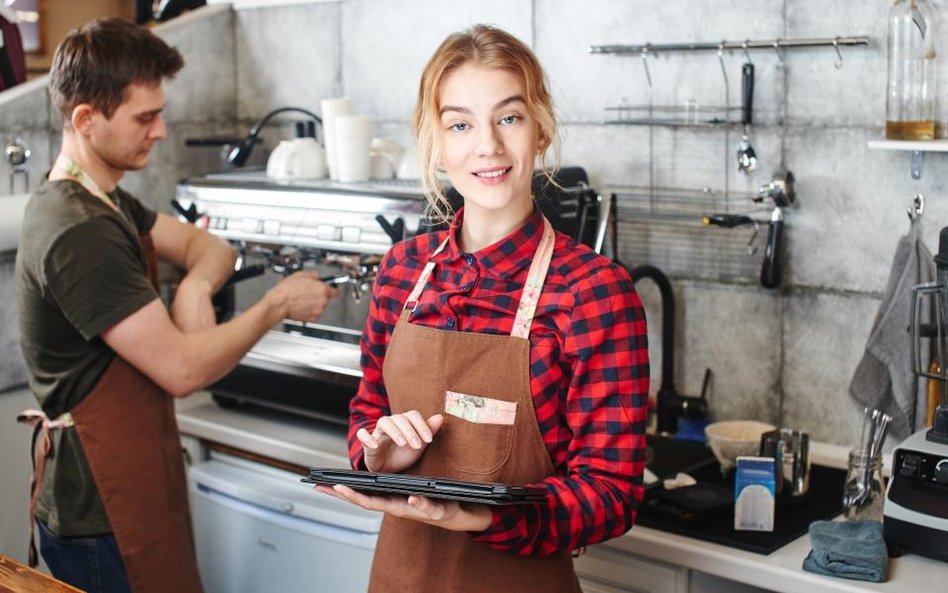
105	357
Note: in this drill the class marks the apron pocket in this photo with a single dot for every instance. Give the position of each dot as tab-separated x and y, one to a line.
474	448
477	433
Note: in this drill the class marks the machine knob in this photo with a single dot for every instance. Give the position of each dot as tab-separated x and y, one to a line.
941	473
939	430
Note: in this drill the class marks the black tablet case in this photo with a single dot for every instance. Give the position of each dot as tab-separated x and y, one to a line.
404	485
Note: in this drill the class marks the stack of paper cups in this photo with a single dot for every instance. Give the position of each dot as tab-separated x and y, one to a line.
353	136
332	108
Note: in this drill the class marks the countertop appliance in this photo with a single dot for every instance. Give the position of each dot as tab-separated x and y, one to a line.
915	514
338	230
257	528
341	231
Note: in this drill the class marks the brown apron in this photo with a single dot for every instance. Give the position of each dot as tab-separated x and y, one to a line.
421	365
129	434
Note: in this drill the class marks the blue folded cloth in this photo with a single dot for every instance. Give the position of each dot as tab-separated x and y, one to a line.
848	549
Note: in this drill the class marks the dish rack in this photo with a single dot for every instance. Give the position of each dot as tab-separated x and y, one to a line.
664	226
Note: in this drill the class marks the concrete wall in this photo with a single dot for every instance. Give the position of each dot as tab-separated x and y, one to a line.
784	356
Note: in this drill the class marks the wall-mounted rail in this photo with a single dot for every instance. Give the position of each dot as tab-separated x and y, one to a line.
772	44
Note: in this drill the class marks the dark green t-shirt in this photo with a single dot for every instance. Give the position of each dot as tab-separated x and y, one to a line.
80	269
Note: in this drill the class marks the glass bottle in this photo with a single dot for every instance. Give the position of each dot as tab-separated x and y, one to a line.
910	101
864	488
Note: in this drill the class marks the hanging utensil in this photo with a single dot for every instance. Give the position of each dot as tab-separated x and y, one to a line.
781	192
746	156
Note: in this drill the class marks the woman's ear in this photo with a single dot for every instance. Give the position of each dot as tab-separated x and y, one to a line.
81	118
543	143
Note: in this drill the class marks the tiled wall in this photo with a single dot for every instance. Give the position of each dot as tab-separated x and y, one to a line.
784	356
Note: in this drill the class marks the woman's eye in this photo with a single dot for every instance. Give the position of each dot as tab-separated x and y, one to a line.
509	119
458	127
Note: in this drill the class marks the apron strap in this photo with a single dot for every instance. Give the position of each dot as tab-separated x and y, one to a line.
423	279
40	447
530	296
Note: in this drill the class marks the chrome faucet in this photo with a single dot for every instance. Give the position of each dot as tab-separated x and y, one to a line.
17	154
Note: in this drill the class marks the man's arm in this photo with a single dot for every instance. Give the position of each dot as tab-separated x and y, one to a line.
208	262
182	362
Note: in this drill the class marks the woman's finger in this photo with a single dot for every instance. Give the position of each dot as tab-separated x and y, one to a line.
419	424
389	427
367	439
407	430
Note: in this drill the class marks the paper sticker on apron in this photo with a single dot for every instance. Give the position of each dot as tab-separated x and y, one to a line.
480	410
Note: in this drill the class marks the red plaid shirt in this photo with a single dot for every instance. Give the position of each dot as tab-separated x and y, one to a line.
589	380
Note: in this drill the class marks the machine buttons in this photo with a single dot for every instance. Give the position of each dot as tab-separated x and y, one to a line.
271	227
941	473
351	234
250	225
909	465
328	232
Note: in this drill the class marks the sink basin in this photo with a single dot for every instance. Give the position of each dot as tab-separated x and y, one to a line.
666	456
11	217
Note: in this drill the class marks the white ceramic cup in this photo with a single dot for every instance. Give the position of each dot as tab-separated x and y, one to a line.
353	138
300	158
331	109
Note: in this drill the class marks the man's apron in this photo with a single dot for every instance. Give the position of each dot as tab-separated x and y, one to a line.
129	434
432	370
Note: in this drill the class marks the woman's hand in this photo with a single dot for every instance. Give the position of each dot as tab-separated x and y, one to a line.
447	514
398	440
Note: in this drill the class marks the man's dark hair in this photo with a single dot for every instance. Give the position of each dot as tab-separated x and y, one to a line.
95	63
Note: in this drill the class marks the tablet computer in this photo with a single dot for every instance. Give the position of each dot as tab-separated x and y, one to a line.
404	485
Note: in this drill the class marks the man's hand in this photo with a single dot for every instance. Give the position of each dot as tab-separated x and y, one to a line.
302	296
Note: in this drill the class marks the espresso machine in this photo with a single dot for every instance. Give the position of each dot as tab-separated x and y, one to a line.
915	513
340	231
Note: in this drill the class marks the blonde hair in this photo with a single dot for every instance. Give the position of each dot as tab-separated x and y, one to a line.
494	48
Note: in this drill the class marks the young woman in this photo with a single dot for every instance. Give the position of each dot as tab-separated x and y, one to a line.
497	351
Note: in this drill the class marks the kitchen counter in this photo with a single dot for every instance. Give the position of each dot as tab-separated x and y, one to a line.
308	442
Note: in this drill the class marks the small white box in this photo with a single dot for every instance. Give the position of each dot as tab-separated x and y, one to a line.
754	492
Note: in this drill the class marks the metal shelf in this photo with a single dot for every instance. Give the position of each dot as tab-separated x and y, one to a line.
672	123
918	148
